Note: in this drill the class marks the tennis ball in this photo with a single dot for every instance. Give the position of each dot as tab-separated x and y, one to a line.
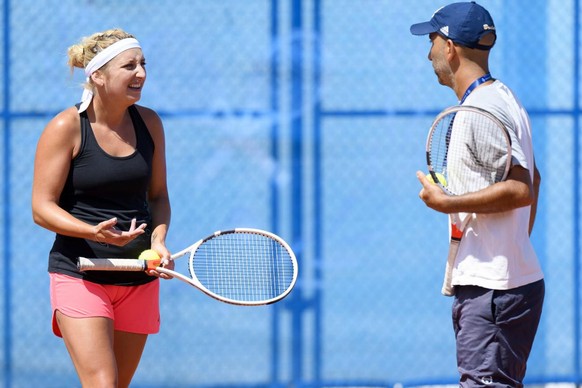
439	176
149	254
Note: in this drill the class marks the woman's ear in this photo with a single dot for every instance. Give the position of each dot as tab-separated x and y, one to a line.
97	78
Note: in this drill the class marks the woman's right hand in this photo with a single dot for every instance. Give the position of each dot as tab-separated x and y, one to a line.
106	233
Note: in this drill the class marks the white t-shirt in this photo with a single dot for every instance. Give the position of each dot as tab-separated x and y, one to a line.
496	251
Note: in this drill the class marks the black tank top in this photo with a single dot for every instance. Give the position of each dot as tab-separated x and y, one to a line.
99	187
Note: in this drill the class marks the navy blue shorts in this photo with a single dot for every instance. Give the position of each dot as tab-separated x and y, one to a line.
494	331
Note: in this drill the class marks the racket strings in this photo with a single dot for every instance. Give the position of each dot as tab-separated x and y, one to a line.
243	266
451	120
470	150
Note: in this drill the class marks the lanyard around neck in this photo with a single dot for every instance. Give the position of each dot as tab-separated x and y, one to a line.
475	83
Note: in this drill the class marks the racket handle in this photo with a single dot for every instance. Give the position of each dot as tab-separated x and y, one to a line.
448	288
92	264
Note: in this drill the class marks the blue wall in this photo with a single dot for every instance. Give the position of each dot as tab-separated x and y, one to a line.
307	118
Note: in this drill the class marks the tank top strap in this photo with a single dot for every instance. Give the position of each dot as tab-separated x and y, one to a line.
142	132
87	136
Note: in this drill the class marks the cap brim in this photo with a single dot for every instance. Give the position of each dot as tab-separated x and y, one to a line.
423	28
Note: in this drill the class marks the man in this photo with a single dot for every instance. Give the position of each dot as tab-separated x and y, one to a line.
498	282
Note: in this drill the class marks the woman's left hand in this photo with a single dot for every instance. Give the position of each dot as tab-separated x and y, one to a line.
165	261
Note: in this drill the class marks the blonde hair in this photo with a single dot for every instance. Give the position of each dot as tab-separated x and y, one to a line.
80	54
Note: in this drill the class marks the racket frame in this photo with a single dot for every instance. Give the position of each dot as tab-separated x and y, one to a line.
453	110
458	227
124	264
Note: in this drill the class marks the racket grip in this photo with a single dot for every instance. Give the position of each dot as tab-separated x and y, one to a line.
93	264
448	288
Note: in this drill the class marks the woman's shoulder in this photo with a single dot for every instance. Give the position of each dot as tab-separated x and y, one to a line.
147	113
66	122
150	117
63	131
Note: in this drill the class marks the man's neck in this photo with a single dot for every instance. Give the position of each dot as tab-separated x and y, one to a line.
464	81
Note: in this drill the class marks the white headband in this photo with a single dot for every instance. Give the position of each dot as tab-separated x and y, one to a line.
100	60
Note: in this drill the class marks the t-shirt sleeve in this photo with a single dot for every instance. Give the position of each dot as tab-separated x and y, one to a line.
493	106
517	155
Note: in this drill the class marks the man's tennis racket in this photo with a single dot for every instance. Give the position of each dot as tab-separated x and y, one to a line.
242	266
467	150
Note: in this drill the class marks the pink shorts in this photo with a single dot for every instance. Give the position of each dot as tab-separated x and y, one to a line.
133	309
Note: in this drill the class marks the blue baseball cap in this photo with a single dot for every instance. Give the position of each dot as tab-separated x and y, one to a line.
463	23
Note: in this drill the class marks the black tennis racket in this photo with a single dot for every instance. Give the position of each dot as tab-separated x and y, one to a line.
248	267
471	149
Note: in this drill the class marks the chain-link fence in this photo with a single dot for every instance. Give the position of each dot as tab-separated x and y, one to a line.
307	118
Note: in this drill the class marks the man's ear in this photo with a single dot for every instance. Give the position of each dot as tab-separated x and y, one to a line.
451	48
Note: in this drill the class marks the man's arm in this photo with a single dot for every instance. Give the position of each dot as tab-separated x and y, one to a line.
515	192
536	190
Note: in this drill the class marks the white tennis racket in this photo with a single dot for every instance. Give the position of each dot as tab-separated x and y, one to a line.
248	267
471	149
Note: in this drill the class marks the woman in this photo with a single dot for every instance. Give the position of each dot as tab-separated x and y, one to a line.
100	185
